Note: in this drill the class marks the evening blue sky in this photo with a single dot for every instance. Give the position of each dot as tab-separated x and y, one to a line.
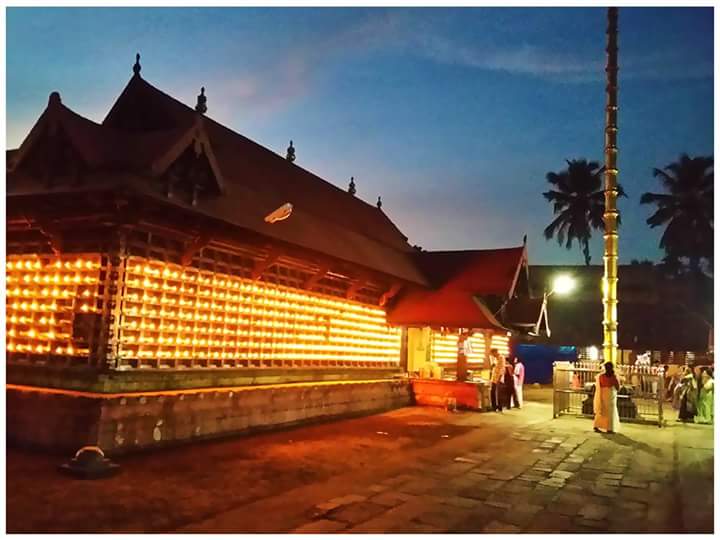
454	116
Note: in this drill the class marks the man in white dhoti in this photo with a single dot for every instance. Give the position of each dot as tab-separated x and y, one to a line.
605	401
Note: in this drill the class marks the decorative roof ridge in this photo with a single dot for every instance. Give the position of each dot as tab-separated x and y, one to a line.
268	151
469	251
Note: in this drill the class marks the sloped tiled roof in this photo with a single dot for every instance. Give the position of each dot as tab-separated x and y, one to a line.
145	126
462	282
142	107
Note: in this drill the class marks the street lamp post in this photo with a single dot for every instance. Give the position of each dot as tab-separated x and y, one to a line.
610	256
562	285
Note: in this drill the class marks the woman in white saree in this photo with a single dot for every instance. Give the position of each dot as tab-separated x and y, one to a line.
605	401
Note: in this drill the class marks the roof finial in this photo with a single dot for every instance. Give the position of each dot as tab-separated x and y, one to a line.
137	67
201	106
524	239
290	156
379	202
54	99
351	187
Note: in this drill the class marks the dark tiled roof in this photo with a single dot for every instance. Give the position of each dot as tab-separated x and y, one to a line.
142	107
146	129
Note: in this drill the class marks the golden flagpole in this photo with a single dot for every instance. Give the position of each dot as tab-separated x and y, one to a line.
610	256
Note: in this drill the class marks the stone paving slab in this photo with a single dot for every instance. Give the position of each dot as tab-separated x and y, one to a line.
553	477
392	498
321	526
355	513
496	527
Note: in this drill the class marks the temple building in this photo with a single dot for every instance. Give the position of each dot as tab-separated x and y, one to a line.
170	279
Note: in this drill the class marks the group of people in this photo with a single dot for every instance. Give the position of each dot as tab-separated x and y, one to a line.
692	392
507	377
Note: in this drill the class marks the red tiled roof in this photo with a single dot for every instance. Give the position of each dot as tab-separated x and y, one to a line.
462	281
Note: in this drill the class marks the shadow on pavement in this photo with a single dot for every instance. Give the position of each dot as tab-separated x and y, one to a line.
624	440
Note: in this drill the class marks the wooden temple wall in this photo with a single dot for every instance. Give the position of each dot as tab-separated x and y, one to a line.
129	297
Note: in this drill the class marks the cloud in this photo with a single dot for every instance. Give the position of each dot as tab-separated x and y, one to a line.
294	72
565	67
524	59
275	86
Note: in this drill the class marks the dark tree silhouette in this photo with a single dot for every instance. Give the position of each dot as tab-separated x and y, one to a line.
686	209
578	204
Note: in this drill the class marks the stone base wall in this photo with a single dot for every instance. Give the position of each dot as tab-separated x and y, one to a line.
65	420
89	379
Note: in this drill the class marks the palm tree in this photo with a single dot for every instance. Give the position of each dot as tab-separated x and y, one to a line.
578	204
686	209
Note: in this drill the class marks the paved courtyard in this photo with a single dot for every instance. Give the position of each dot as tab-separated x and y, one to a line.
411	470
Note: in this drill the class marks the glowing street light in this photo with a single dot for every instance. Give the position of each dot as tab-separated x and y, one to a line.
561	284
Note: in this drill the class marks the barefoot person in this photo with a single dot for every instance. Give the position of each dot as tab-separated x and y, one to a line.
605	402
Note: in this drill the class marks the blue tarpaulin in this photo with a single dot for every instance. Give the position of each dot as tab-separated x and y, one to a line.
538	360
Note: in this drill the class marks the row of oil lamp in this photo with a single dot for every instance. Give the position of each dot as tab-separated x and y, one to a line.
44	349
138	276
46	292
247	306
32	333
272	345
149	327
281	339
227	355
35	321
46	307
54	279
77	269
35	263
251	317
243	303
259	316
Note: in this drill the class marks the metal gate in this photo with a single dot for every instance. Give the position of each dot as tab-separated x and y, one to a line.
640	399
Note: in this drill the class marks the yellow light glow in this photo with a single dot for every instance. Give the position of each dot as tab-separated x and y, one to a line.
43	314
263	321
563	284
444	347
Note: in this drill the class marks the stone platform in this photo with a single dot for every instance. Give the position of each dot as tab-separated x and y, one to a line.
64	420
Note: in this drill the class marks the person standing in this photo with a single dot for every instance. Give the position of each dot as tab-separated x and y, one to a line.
496	380
508	396
519	373
688	396
494	356
706	398
605	401
676	387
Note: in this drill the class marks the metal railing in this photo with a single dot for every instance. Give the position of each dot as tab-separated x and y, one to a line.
640	399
